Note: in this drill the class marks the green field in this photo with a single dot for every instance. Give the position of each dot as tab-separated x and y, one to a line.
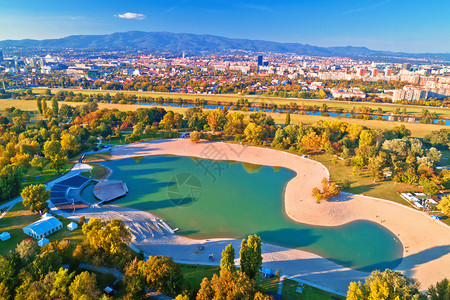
309	292
363	184
19	217
194	274
46	175
98	172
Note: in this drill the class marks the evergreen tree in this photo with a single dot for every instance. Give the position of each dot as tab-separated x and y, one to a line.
251	258
55	106
288	119
227	261
39	104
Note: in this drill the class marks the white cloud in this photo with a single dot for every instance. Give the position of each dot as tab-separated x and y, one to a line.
130	15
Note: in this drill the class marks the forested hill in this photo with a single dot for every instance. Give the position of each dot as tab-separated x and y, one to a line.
194	43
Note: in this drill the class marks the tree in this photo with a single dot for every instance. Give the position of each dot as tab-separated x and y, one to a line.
366	138
107	236
57	162
53	152
46	262
329	190
27	250
38	163
288	119
39	105
429	187
251	258
162	274
11	181
134	280
55	106
138	129
227	261
384	286
444	205
254	133
195	136
61	284
44	106
4	292
434	154
8	271
84	286
70	143
441	291
35	196
229	285
374	167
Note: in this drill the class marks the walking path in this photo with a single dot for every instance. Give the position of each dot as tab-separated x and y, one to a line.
280	285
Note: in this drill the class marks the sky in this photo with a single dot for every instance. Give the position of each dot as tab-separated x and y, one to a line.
394	25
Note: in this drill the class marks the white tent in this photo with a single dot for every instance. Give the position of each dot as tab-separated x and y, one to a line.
43	242
43	227
5	236
72	226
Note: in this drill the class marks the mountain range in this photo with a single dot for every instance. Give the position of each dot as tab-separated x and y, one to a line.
195	43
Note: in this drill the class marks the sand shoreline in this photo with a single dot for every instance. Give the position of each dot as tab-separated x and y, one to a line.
426	241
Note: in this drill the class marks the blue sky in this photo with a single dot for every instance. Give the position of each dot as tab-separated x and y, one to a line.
397	25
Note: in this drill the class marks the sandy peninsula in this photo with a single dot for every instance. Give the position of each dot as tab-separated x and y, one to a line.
426	241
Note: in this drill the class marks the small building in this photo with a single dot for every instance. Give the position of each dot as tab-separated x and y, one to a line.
42	242
5	236
43	227
72	226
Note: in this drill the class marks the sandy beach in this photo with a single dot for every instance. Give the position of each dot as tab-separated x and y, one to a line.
426	241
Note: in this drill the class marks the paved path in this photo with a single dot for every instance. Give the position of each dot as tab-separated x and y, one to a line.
280	284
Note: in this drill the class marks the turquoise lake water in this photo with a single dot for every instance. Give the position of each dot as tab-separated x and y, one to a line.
211	199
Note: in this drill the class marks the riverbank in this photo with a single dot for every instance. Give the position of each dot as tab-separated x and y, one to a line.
426	241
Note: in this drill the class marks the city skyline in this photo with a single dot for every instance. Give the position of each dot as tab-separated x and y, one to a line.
393	25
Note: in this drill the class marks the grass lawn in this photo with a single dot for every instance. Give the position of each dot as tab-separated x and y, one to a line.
194	274
309	292
268	284
98	171
46	175
19	217
101	156
13	222
29	105
363	184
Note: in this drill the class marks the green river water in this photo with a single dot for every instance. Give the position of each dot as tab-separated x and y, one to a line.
212	199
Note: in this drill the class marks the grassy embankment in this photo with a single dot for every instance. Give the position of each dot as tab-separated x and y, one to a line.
417	130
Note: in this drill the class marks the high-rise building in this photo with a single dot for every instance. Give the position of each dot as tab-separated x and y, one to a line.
1	55
260	60
407	66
